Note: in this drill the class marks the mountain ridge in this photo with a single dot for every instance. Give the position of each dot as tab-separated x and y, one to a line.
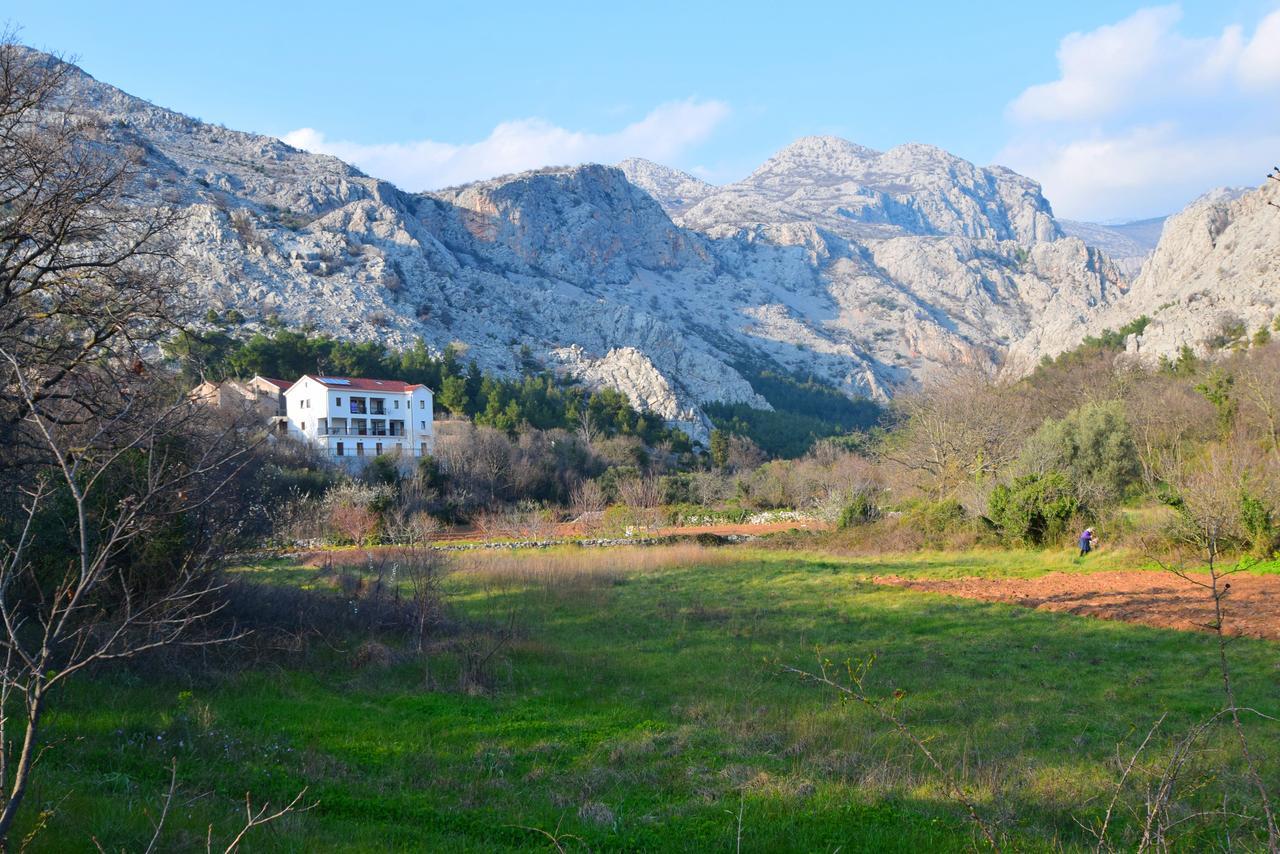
891	267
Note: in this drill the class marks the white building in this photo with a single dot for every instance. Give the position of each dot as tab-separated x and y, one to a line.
349	417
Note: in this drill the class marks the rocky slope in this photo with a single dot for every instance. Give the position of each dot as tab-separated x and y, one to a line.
675	190
1128	245
1215	269
858	193
867	269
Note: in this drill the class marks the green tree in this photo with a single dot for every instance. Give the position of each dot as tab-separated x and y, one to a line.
1035	509
1217	388
719	448
1092	446
453	395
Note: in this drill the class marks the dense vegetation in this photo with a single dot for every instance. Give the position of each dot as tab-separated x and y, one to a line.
537	399
804	412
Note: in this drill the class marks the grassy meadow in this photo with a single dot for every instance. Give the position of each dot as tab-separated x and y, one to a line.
634	699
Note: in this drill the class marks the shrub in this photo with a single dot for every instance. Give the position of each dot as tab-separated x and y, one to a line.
1035	509
1092	446
1258	522
383	470
935	518
858	511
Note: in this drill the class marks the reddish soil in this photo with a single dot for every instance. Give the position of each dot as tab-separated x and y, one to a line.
1154	598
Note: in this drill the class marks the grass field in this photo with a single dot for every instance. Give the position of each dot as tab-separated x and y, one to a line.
640	705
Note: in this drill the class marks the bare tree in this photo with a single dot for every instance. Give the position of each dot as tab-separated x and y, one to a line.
1165	413
421	569
85	270
1209	524
586	426
642	492
1258	383
587	496
956	430
110	551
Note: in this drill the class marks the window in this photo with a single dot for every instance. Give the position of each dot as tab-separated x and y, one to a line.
377	406
422	404
359	449
302	426
424	449
337	401
395	404
424	424
377	449
339	451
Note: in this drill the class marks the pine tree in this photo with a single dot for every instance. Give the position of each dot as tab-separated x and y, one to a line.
453	396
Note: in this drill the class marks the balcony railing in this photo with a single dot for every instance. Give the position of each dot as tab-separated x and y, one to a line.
349	431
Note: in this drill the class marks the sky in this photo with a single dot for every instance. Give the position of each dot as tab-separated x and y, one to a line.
1121	110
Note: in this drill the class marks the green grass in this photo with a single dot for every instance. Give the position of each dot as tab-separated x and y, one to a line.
642	711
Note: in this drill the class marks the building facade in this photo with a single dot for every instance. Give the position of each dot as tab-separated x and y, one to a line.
357	418
260	396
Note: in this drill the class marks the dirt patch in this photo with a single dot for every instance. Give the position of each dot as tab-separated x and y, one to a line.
1152	598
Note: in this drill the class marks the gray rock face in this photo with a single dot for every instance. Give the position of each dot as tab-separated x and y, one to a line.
676	191
859	193
1129	245
866	269
1217	264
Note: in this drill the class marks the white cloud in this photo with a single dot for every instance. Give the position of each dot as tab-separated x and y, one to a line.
1144	117
662	135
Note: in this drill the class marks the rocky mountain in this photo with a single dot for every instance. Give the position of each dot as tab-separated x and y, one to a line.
675	190
1128	244
858	193
1215	272
869	270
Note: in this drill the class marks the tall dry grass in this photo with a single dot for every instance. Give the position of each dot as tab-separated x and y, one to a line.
571	570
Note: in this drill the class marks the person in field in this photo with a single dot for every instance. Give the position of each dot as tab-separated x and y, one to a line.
1086	542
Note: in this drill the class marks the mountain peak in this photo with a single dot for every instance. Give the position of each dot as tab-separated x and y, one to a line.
819	145
818	154
672	188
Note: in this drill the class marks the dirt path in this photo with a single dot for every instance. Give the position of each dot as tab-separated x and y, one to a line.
1153	598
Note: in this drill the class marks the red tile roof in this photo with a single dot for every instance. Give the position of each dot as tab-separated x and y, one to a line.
361	384
283	385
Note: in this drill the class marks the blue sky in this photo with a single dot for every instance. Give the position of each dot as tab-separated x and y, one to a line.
1137	112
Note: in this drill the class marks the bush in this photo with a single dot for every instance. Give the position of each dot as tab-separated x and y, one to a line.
1036	509
935	518
1092	446
860	510
1259	525
383	469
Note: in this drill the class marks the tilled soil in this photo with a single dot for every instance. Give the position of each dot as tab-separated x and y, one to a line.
1252	604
